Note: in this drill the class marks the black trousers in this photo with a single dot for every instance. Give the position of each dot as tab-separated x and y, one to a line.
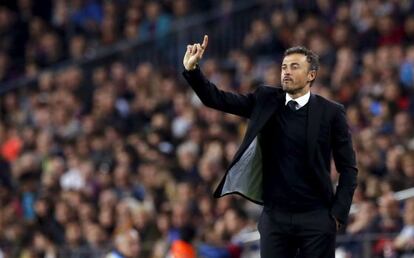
305	235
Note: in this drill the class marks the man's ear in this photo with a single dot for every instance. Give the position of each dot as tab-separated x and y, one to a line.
311	75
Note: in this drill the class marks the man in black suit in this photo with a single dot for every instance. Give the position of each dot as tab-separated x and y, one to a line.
284	159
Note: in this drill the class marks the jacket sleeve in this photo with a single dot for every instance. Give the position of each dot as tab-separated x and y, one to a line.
211	96
345	162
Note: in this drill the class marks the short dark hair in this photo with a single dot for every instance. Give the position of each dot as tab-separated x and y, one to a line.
311	57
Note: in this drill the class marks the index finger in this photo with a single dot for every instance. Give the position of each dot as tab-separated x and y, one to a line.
205	42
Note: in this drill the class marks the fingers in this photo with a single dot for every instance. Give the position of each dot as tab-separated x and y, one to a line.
205	42
192	49
189	49
200	50
197	49
194	53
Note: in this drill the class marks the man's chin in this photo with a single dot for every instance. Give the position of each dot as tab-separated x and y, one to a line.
287	89
291	90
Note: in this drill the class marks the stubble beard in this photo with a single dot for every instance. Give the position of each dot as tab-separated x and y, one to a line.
293	89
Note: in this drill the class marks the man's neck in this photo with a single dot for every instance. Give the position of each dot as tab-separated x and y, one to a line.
298	94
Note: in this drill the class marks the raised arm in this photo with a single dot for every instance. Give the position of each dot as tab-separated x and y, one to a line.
208	93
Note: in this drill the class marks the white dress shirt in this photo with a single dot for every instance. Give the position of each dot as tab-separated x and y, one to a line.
302	100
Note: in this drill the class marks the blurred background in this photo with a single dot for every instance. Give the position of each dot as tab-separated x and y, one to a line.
106	152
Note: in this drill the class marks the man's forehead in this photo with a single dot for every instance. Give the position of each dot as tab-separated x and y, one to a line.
294	58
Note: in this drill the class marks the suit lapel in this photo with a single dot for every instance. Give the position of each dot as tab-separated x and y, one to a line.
260	118
267	110
314	119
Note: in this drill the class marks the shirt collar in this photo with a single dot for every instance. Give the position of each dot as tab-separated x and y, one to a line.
303	100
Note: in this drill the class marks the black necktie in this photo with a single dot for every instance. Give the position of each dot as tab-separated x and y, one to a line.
292	105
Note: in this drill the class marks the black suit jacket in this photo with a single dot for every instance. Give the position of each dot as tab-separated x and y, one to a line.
327	133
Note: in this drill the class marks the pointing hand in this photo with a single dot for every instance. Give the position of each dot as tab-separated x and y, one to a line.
194	54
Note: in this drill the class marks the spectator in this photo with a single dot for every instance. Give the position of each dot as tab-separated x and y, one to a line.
86	15
127	245
182	248
362	222
156	23
404	242
388	220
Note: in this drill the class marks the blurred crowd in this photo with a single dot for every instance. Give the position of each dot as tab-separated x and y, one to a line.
35	35
122	161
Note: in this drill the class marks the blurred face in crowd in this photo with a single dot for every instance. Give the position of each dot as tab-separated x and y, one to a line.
185	192
86	212
95	235
77	46
108	199
180	7
296	76
388	207
393	159
163	223
233	223
205	205
141	218
62	213
40	241
180	215
152	10
106	217
121	176
73	234
402	124
128	244
409	212
42	208
368	211
408	165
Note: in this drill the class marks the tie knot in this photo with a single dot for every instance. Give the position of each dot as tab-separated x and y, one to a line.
293	105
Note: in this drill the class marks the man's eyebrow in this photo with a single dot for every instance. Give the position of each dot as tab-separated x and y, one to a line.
293	63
